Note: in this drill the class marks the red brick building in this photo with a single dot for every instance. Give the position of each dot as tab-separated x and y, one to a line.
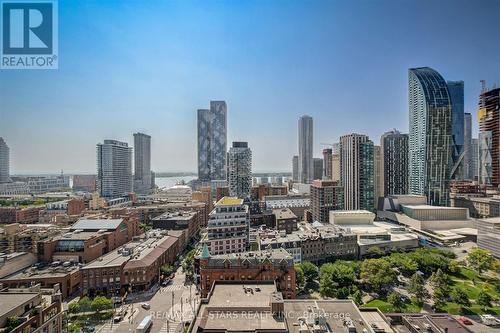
89	239
269	265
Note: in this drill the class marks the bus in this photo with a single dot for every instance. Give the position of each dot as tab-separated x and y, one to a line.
145	325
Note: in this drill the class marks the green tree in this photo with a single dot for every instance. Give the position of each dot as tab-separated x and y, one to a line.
310	271
439	298
74	307
480	260
357	297
167	269
395	300
377	273
85	304
75	326
416	286
101	303
459	296
484	299
299	277
454	267
374	252
334	277
440	280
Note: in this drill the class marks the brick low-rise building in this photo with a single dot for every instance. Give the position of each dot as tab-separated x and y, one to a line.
89	238
133	267
269	265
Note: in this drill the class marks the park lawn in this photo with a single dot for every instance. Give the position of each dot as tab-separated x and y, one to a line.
385	307
474	309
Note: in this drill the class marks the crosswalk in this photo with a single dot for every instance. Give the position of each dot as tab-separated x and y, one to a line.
170	327
174	287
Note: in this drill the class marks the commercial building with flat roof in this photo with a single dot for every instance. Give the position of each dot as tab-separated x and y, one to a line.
36	313
268	265
488	235
133	267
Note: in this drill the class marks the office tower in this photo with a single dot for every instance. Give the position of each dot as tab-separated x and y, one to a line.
378	175
475	159
142	163
489	137
336	162
114	168
228	226
467	159
295	168
429	141
356	171
317	168
212	142
306	172
240	170
327	163
456	91
326	195
395	162
4	162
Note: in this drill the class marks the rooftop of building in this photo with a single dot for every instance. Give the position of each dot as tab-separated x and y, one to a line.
375	319
425	207
79	235
351	212
11	300
323	315
491	220
240	306
276	256
33	273
96	224
229	201
429	323
284	214
175	216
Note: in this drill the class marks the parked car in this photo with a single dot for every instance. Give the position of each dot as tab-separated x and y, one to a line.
165	282
465	320
146	306
489	320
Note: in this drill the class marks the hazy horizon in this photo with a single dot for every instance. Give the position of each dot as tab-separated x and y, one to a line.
127	67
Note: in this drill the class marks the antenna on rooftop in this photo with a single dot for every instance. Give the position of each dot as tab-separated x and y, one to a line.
483	86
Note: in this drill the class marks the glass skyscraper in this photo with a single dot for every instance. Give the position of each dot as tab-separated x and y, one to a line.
212	142
306	166
240	170
456	91
142	163
430	137
114	168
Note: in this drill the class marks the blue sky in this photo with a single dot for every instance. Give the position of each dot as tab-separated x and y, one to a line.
128	66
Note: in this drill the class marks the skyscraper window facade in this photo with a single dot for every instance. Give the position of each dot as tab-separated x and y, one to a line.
456	91
4	162
306	166
489	137
142	163
240	170
395	162
430	137
212	142
357	171
327	163
114	168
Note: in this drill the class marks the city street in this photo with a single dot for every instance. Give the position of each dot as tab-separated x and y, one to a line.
170	305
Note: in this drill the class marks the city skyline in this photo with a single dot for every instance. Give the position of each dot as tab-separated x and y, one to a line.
263	74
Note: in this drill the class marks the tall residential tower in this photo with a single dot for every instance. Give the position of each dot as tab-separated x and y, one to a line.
306	166
212	142
4	162
114	168
240	170
142	163
356	171
395	162
430	138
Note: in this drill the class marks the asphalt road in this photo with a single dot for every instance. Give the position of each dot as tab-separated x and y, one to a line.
170	306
